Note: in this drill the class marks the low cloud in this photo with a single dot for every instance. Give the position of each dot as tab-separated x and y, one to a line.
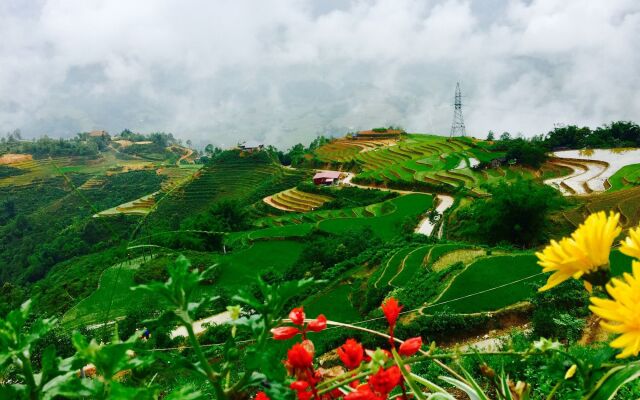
284	71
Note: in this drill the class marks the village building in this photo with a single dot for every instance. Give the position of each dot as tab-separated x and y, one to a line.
327	178
378	133
251	146
102	134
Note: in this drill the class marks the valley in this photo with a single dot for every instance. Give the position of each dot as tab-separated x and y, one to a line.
439	223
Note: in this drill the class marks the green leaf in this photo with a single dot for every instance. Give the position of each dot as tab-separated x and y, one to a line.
428	384
612	381
185	393
504	386
440	396
471	392
415	389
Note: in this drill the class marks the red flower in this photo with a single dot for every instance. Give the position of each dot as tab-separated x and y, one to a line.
391	309
305	395
297	316
318	324
351	353
298	357
299	386
410	346
363	392
385	380
284	332
261	396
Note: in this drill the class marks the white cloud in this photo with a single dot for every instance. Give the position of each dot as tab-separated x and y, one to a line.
284	71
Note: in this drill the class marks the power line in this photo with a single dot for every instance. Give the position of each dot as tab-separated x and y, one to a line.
419	309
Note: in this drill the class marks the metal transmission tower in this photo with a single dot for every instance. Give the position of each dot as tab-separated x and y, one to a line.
457	127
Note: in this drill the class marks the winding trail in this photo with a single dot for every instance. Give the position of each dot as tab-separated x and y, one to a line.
185	155
426	226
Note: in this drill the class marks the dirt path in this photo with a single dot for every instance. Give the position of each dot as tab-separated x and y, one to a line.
198	326
184	156
426	226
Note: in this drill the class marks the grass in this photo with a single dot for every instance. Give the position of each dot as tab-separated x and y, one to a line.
627	202
625	177
242	267
464	256
412	263
388	226
391	268
488	273
334	304
239	270
440	250
115	283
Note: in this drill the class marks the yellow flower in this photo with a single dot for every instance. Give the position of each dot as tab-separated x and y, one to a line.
623	312
571	372
587	250
631	245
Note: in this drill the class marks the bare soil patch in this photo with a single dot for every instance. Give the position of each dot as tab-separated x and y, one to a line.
6	159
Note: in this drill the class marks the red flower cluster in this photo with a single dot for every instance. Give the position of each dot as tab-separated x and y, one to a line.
351	353
299	358
391	309
297	317
299	362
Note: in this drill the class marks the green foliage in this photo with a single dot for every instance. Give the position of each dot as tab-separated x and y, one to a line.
347	197
53	225
529	153
491	283
224	216
559	312
442	325
615	134
322	251
515	213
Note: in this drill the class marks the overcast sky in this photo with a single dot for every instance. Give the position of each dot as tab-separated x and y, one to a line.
285	71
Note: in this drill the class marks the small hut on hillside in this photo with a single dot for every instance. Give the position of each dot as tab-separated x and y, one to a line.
326	178
251	146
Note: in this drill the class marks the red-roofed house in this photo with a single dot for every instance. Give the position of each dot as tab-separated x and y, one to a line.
326	178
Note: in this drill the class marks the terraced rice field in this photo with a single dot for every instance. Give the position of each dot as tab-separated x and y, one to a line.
487	274
344	150
627	202
314	217
593	169
296	200
35	170
401	266
386	226
385	219
627	177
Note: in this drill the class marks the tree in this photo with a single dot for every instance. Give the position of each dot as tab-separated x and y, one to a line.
524	152
515	213
490	136
505	136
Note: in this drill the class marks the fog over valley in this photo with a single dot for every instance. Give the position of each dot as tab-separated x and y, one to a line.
285	71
